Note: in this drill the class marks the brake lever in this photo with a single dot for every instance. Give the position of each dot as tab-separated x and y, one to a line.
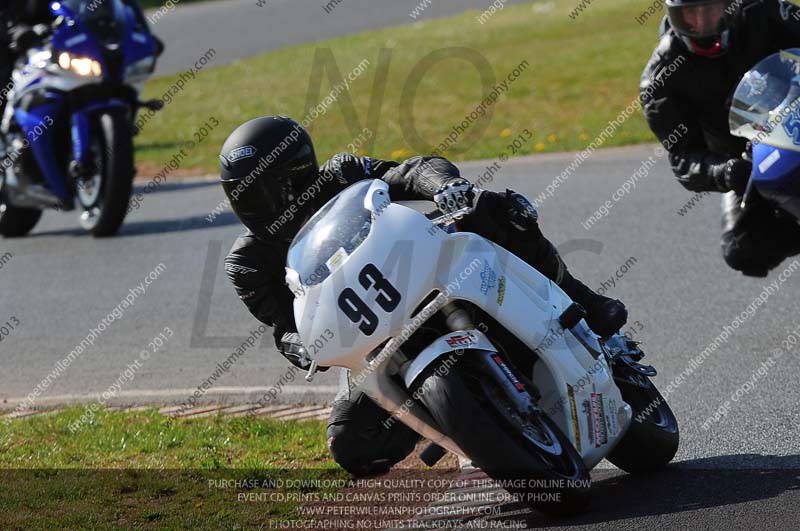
746	197
312	370
452	217
749	190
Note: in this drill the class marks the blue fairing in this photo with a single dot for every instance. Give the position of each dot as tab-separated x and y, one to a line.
78	40
138	45
776	176
41	139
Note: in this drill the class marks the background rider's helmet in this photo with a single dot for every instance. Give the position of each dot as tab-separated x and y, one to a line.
265	165
704	26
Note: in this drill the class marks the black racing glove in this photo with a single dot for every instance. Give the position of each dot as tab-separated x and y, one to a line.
292	348
736	175
509	208
732	175
521	213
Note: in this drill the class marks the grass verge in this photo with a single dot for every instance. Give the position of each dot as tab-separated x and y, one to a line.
147	471
581	73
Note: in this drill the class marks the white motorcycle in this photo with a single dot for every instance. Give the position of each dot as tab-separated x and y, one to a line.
473	349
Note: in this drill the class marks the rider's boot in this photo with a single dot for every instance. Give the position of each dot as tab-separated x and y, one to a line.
605	316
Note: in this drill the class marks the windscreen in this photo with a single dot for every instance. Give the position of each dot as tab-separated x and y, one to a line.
765	107
331	235
104	18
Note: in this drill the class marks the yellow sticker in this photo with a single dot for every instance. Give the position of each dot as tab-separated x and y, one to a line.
573	410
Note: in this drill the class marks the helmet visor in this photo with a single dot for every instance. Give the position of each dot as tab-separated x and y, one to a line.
700	20
268	205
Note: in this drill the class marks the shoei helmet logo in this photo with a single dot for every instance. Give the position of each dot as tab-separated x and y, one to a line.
244	152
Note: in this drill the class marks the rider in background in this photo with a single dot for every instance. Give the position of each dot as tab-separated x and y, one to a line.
268	164
706	47
17	19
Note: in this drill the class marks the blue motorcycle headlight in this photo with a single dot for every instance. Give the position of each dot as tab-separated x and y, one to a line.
83	66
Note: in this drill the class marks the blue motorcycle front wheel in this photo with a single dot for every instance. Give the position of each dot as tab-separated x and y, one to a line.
104	196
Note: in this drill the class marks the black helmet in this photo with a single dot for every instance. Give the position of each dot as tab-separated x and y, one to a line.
265	165
704	26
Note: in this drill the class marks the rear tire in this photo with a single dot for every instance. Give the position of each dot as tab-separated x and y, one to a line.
116	170
467	413
653	438
15	221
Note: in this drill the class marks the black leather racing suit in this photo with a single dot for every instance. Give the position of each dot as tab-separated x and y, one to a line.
358	440
682	91
16	16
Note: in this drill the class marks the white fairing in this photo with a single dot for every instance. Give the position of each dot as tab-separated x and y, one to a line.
417	258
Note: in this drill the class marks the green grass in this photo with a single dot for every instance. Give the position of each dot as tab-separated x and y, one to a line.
146	471
151	440
582	74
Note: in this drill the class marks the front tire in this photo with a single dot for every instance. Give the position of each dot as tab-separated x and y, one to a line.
653	437
105	208
462	403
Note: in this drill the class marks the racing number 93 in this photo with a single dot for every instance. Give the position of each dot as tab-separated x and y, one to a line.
354	307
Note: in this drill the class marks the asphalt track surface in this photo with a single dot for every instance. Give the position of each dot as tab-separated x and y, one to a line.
237	29
59	284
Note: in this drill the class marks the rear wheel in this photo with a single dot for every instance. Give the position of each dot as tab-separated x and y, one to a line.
653	437
104	197
524	451
15	221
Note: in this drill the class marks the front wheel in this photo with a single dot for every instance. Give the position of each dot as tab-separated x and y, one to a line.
525	452
653	437
104	197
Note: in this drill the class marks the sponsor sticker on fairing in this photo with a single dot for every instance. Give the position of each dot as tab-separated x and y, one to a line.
599	420
611	419
488	278
501	291
573	411
334	262
462	340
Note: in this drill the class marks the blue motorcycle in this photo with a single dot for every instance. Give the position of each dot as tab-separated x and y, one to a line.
766	110
67	131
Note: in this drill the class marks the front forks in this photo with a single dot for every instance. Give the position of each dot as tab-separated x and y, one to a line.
458	319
